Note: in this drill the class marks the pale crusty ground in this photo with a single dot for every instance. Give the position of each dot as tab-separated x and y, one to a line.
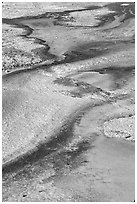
17	51
18	9
121	59
121	127
35	109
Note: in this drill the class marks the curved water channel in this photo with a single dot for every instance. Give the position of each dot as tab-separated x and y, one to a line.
54	146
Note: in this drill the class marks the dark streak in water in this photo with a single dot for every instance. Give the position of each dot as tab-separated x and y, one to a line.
116	70
56	15
56	143
82	87
80	52
119	10
46	148
28	32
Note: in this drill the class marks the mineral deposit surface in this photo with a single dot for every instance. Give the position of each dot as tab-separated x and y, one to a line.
68	101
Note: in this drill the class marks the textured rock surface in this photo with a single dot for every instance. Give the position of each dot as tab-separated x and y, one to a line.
68	101
121	127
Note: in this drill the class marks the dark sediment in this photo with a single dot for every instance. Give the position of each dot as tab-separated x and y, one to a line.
81	138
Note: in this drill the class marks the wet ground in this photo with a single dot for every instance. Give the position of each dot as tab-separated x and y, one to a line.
55	146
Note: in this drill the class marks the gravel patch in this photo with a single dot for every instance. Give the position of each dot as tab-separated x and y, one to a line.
121	127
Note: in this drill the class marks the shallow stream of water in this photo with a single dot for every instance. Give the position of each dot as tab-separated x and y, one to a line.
78	162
